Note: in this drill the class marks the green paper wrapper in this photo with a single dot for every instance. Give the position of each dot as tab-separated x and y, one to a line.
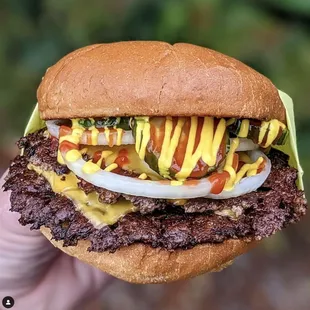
290	147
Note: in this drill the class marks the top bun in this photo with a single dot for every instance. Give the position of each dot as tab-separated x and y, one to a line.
155	79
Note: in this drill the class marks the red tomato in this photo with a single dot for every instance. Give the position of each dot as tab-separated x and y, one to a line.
64	131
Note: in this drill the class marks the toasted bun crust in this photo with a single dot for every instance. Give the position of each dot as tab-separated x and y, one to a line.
155	79
139	263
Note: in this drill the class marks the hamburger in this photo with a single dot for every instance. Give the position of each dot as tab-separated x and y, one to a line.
156	162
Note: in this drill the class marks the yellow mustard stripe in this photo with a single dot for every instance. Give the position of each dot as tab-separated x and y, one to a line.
73	155
218	137
273	132
73	138
229	162
244	128
247	168
104	155
90	167
203	141
186	167
272	129
139	128
107	135
207	133
142	176
111	167
145	139
94	135
169	147
164	148
119	136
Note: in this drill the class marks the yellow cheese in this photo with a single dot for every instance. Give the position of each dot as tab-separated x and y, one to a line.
178	202
59	158
99	214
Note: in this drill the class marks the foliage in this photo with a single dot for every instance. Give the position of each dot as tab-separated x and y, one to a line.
271	36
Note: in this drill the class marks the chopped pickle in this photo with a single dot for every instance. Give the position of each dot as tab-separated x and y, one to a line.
107	122
254	130
117	122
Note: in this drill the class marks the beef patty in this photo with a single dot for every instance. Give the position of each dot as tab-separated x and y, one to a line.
157	223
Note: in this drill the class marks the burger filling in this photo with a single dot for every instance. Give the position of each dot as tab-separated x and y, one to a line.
170	182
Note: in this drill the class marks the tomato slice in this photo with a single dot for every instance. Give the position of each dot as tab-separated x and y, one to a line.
64	131
218	181
154	147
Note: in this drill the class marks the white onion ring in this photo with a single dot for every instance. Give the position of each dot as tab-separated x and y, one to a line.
247	184
246	145
127	137
156	189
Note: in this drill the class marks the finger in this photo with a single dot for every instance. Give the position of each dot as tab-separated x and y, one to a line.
25	254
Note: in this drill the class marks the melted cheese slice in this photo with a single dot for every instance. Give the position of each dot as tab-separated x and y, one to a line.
99	214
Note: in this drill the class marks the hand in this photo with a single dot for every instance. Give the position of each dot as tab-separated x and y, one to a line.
37	275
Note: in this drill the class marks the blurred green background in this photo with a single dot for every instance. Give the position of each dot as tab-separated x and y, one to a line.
271	36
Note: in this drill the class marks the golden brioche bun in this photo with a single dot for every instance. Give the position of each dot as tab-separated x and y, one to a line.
155	79
139	263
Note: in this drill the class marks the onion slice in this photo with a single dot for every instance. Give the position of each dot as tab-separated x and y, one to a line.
159	189
246	145
127	137
247	184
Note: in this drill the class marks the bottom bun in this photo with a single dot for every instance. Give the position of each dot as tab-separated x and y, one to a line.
139	263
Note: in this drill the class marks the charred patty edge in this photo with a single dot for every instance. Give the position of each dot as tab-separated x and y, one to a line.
158	223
